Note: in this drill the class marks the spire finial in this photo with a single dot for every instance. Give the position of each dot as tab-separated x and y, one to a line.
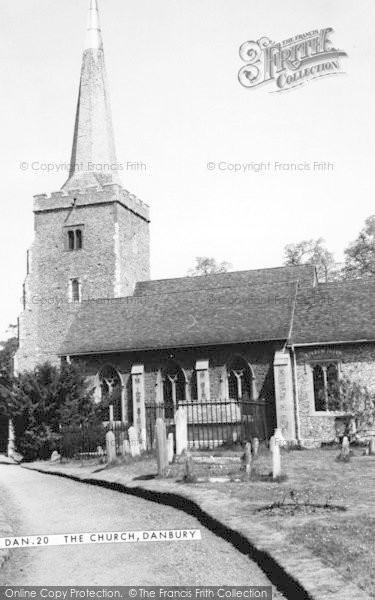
94	34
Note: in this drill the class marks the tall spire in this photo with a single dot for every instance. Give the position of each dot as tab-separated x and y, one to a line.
93	159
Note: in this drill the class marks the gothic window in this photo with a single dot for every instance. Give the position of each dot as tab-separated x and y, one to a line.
240	380
74	238
326	387
75	290
111	390
174	389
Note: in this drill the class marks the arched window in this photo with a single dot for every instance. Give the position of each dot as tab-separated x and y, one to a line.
111	390
240	380
326	387
174	389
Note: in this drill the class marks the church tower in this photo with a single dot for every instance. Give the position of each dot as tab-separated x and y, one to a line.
91	237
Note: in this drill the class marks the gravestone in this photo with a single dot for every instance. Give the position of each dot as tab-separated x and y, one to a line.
180	420
110	444
143	439
170	445
255	447
345	447
371	450
125	448
276	458
100	451
161	446
247	458
55	457
189	468
133	441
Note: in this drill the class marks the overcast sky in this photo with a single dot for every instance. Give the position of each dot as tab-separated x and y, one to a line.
177	105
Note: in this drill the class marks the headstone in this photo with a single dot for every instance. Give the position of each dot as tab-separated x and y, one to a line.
125	447
100	451
276	458
247	458
344	455
133	441
255	447
110	444
111	413
170	445
143	439
55	456
11	438
180	420
371	450
189	467
161	446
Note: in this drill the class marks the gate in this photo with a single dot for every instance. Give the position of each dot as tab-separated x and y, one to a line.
214	424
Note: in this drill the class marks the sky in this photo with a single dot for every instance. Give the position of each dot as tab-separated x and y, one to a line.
177	106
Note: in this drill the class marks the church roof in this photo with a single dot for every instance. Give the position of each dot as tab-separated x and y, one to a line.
305	274
245	306
334	312
193	317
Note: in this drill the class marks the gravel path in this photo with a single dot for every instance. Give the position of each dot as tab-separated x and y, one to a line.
39	504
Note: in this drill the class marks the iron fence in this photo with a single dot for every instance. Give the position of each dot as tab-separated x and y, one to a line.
213	423
83	441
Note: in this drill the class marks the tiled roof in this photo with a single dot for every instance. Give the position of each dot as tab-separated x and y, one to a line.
335	312
241	313
305	274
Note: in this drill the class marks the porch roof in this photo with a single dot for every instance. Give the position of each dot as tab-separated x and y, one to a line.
221	315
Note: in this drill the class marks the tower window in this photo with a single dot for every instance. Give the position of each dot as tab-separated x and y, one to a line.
74	238
75	290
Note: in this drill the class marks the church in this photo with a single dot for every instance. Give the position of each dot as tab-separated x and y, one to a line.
244	352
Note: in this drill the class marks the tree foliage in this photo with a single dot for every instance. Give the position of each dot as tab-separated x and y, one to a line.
7	351
312	252
45	398
360	254
207	266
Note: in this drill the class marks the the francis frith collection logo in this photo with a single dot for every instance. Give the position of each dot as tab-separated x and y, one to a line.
289	63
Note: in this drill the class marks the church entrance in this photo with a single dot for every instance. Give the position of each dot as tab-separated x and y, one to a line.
3	434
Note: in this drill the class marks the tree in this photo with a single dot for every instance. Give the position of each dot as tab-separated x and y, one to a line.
45	398
312	252
7	351
207	266
357	404
360	254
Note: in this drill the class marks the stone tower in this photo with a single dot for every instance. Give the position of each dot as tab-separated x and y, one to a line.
92	237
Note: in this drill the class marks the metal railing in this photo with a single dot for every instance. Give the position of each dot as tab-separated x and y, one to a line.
213	423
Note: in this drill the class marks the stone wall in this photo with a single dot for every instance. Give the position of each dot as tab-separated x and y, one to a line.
259	356
114	256
355	361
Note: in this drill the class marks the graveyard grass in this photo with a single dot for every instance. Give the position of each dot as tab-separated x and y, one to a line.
344	540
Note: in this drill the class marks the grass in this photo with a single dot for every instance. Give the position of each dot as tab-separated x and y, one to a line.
330	512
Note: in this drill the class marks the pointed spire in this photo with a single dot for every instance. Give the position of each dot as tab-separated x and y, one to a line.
93	158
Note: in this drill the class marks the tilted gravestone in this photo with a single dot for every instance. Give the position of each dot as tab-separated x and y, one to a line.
170	446
180	420
161	446
110	444
133	441
371	449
